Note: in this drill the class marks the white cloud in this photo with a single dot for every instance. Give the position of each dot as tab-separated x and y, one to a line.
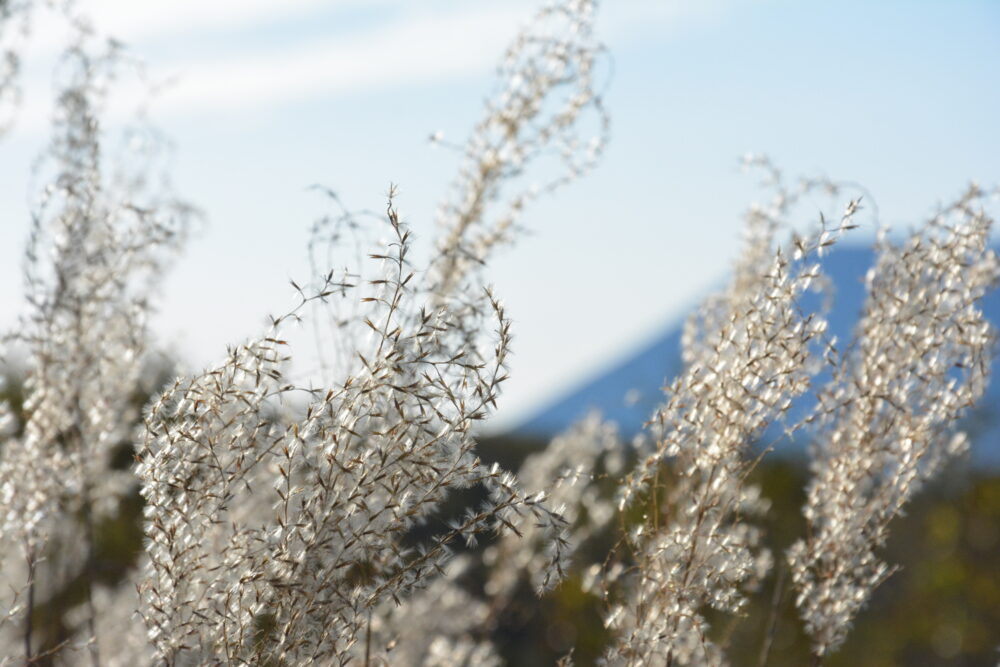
414	48
456	40
425	49
133	21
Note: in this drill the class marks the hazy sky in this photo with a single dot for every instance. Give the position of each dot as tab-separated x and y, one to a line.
270	96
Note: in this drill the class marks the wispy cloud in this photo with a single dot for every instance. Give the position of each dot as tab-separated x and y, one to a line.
464	39
427	48
438	40
411	47
132	20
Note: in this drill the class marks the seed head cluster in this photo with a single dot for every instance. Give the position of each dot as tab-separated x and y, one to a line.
749	353
99	241
885	423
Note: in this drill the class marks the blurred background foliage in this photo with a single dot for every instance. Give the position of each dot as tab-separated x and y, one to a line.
941	607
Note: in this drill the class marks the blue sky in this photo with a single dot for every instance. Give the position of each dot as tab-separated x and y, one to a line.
270	96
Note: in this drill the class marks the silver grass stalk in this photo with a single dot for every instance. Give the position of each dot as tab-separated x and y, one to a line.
275	534
886	424
442	625
546	102
752	355
566	470
96	245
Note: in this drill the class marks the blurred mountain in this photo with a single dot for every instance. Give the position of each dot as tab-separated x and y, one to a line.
628	391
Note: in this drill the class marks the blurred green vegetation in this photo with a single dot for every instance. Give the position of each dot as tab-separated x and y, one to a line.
941	607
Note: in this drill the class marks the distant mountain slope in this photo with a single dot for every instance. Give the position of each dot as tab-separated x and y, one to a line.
629	391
